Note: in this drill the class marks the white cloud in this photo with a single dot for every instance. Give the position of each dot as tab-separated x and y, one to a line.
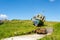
3	16
51	0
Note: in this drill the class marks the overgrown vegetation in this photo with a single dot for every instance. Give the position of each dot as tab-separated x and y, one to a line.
55	35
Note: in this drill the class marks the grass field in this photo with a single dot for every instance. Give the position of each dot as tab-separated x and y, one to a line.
15	28
21	27
55	35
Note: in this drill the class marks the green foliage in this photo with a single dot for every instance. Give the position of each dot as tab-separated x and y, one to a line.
15	28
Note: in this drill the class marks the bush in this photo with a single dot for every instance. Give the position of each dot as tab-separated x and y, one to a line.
1	22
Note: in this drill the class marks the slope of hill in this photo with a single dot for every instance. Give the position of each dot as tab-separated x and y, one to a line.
19	27
55	35
15	28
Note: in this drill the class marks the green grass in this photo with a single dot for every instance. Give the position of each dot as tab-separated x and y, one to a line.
15	28
21	27
55	35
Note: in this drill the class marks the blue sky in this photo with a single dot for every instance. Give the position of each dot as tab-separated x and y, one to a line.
26	9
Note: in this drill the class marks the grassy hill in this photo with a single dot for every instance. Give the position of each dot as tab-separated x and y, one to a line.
55	35
22	27
15	28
